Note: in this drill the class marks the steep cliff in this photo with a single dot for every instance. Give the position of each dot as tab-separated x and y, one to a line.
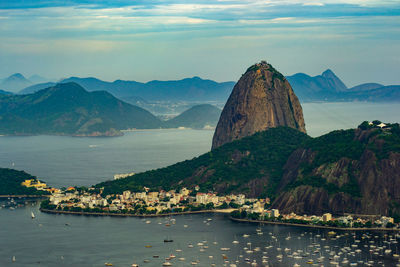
261	99
353	171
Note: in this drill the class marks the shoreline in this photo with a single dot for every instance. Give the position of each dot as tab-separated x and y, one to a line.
84	213
24	196
314	226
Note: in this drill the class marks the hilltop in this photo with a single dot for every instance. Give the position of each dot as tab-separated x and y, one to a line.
196	117
68	109
261	99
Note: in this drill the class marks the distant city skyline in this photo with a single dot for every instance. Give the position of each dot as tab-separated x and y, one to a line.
174	39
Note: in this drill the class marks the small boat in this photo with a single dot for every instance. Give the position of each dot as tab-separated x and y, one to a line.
193	263
167	263
108	264
148	246
168	240
135	265
32	215
156	256
13	259
181	259
148	222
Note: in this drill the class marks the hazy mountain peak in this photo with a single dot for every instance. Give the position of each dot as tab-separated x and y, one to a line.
15	82
328	74
335	83
16	76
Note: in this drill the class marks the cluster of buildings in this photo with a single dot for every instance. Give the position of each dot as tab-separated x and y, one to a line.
150	202
184	200
35	183
348	220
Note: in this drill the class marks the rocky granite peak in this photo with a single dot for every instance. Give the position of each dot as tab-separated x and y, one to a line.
260	100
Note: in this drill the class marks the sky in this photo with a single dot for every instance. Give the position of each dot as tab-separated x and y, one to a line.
173	39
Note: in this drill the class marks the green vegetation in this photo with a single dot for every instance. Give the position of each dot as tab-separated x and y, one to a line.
10	183
68	109
228	168
255	165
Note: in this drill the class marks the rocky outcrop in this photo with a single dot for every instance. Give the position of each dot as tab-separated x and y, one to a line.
261	99
366	184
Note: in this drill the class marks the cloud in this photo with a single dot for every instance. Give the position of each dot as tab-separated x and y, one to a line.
228	30
313	4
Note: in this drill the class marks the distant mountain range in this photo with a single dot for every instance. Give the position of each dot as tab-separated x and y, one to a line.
325	87
189	89
328	87
68	109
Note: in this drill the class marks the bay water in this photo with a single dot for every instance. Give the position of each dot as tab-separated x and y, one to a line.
65	240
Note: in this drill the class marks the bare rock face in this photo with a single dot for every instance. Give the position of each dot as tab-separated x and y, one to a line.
261	99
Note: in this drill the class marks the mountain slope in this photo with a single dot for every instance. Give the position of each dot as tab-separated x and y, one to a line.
352	171
366	87
10	181
36	87
346	171
252	165
197	117
2	92
68	109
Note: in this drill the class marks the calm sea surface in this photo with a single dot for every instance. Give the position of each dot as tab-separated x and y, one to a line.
61	240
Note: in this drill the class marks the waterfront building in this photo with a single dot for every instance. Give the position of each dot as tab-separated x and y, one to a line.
275	213
201	198
326	217
184	191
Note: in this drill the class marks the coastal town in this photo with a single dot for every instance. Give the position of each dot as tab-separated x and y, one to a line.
161	203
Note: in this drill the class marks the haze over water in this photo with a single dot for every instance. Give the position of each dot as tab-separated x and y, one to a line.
65	161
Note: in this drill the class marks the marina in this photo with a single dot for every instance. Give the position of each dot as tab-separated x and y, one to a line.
207	240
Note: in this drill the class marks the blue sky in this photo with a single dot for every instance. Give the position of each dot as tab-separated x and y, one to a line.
145	40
